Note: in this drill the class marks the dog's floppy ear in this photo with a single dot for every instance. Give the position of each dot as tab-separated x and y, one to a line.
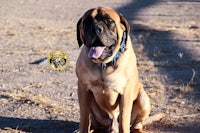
125	23
78	33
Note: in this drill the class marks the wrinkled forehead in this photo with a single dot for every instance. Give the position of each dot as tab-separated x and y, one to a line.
101	13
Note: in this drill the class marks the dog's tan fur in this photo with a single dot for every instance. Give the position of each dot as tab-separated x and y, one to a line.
115	94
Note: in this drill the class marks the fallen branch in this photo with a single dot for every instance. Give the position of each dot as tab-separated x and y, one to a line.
154	118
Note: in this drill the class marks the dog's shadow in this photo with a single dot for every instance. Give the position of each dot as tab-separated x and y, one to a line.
36	126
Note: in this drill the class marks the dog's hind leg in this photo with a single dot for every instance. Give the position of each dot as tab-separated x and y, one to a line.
140	111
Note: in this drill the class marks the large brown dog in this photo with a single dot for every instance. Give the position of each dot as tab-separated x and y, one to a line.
110	96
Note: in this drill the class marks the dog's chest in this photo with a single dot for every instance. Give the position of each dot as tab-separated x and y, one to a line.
106	91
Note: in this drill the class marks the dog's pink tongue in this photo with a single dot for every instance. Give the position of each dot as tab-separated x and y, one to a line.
95	52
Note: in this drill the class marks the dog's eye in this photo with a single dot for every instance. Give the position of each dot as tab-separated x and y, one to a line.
111	23
110	20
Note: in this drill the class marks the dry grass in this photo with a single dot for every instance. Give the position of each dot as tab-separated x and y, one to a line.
10	130
187	89
42	100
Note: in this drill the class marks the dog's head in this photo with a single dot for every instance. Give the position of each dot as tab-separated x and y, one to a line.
101	30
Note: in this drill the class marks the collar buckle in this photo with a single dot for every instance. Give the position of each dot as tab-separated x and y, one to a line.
103	66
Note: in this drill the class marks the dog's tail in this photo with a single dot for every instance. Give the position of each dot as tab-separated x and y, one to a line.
154	118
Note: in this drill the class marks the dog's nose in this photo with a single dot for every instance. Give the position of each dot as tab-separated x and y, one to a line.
99	29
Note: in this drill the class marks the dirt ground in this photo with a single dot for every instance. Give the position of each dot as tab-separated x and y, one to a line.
34	98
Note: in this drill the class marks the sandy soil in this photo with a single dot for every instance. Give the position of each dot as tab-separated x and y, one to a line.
34	98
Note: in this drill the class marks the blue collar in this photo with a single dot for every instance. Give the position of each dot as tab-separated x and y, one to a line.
121	50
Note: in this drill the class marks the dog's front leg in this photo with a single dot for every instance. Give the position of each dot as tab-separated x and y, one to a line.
84	103
126	103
